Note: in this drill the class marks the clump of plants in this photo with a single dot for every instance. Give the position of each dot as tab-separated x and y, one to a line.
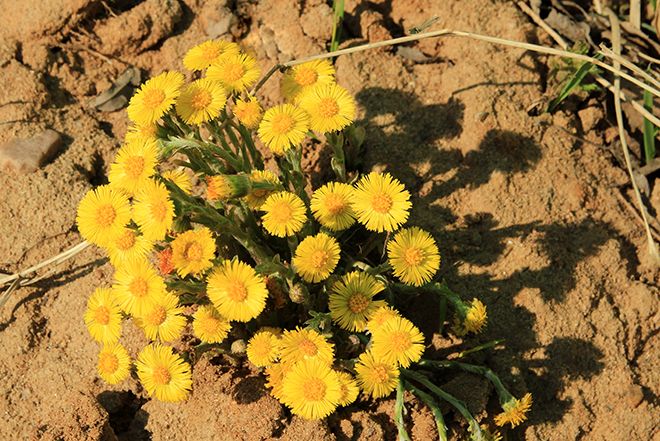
312	281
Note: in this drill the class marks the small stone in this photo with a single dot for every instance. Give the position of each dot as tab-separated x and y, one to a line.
590	116
27	155
634	395
238	347
216	18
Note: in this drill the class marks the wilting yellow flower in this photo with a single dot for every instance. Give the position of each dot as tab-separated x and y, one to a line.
330	107
376	377
155	97
474	321
306	76
414	256
311	389
102	215
351	301
515	411
162	319
285	214
193	251
217	188
203	55
283	126
103	316
129	245
141	133
201	101
209	326
134	164
248	112
236	72
316	257
180	178
398	341
153	211
349	388
114	363
304	344
163	374
137	285
236	291
257	196
263	348
332	206
490	436
275	374
381	202
380	316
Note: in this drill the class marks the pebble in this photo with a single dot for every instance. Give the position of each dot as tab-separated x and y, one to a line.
27	155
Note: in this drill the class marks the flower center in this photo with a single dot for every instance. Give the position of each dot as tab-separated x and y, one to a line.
357	303
209	325
108	362
153	98
237	291
381	203
194	252
281	213
380	374
102	315
413	256
201	99
314	389
138	287
328	107
210	53
157	316
134	166
319	259
308	348
233	72
335	204
262	347
400	341
159	210
306	76
282	123
161	376
126	241
105	215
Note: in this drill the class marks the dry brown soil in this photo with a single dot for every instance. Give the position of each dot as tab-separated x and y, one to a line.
525	208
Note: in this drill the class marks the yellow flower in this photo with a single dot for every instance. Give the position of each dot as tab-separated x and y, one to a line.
351	301
201	101
162	319
263	348
225	187
155	97
103	316
163	373
141	133
257	196
380	316
102	215
128	246
193	251
180	178
349	388
114	363
515	411
203	55
332	206
236	291
137	285
153	211
304	344
236	72
285	214
311	389
475	319
376	377
381	202
306	76
209	326
330	107
134	164
283	126
414	256
275	374
248	112
316	257
398	341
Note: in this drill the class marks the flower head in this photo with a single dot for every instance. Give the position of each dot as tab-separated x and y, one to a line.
275	374
141	133
248	112
224	187
376	377
351	301
236	291
474	320
203	55
285	214
304	77
137	285
179	178
414	256
201	101
330	107
103	316
134	164
257	196
164	374
283	126
398	341
349	388
263	348
311	389
209	326
153	210
515	411
381	202
236	72
380	316
128	246
332	206
193	251
303	344
155	97
102	215
316	257
114	363
162	319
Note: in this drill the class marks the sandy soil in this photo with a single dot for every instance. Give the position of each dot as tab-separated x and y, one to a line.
525	209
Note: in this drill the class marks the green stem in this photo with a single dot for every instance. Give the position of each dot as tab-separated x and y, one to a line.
481	347
399	409
435	410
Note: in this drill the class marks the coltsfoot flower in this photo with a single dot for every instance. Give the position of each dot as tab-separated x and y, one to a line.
474	320
137	285
209	326
201	101
349	388
284	214
376	377
114	363
134	164
351	300
332	206
381	203
515	411
162	319
102	215
282	127
153	210
380	316
312	389
249	112
257	196
164	374
263	349
330	107
193	251
275	375
236	291
130	245
316	257
236	72
180	178
398	341
304	344
203	55
304	77
414	256
103	316
155	98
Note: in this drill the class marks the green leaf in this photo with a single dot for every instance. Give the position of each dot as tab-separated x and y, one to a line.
649	130
573	82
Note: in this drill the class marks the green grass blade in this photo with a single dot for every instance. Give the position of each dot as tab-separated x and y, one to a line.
338	18
398	413
571	84
649	130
